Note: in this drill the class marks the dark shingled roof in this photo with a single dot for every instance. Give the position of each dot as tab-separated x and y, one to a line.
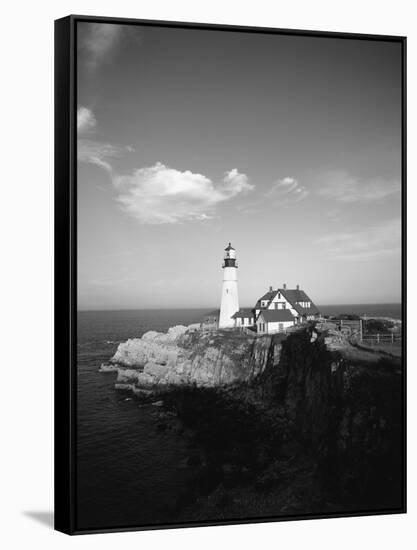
296	295
276	315
268	296
292	296
242	313
306	310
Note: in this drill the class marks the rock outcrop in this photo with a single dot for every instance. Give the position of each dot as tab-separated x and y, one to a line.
185	356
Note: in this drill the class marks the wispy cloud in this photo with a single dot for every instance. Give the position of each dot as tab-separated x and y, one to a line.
99	41
377	242
159	194
286	190
90	150
100	154
281	193
342	187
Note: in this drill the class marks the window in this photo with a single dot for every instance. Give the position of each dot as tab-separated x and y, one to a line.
276	305
284	306
281	327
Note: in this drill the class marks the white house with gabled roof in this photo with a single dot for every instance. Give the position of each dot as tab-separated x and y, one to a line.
282	308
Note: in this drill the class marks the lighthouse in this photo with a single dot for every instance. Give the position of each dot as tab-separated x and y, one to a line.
230	300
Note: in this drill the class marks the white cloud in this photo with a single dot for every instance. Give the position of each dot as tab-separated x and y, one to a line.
343	187
86	120
157	194
286	190
235	183
377	242
160	194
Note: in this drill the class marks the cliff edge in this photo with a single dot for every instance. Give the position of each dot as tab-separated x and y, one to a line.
186	356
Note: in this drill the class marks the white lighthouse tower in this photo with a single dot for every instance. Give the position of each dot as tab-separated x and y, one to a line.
230	300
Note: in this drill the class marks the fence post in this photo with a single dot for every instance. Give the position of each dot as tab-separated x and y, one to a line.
377	338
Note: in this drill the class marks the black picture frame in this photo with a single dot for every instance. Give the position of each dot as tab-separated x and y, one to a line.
66	265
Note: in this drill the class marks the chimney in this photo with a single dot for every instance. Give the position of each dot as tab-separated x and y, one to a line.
284	286
298	287
270	289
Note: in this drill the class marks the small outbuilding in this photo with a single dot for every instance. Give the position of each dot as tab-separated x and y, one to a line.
245	317
270	321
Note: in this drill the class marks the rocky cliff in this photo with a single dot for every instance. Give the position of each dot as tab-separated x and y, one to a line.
296	412
185	356
345	406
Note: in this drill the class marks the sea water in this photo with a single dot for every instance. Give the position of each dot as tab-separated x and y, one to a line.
128	473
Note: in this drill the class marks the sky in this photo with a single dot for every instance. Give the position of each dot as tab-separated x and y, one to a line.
288	147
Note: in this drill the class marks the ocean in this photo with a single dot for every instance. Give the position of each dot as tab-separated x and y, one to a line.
129	472
392	311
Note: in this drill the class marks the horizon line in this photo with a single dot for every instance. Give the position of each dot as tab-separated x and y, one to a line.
213	308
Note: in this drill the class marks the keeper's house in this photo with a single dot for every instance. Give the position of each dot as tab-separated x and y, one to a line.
279	309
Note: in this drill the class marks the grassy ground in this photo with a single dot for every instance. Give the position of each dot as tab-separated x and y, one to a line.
393	349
